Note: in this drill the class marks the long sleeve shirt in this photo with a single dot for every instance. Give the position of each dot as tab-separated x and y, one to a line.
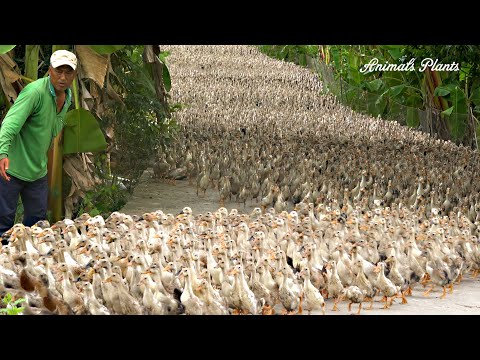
29	128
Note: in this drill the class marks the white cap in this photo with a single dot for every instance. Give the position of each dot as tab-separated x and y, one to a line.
63	57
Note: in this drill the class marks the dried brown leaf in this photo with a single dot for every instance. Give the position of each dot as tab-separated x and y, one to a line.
92	65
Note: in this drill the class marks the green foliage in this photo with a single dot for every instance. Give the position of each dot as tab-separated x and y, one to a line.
11	307
139	133
6	48
293	53
106	49
167	81
102	200
398	95
82	133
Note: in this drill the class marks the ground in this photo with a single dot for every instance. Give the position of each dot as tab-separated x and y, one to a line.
151	194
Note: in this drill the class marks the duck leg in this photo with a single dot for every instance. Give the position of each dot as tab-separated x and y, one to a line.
323	308
444	293
428	291
460	278
359	308
404	299
451	288
385	298
335	307
350	306
371	304
300	310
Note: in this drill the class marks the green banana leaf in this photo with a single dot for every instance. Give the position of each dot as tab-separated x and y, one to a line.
106	49
6	48
82	133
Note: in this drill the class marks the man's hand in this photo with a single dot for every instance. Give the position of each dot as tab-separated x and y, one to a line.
4	163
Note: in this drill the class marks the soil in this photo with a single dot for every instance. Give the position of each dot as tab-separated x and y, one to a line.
152	194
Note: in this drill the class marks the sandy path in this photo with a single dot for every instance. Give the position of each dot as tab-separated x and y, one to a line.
465	300
151	194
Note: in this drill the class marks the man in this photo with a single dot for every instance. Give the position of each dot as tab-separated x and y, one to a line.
26	134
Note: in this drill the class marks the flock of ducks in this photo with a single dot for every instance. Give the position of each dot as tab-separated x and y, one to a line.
233	263
350	208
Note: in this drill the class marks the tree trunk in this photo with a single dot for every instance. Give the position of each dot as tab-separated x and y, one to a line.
150	58
31	61
436	104
55	171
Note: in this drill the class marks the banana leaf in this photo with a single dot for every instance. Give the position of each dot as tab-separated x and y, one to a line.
82	133
6	48
106	49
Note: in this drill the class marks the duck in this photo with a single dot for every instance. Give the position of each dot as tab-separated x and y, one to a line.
28	275
212	305
52	302
192	303
259	289
147	286
94	306
313	298
127	303
70	293
363	283
355	295
396	277
290	301
440	274
248	301
385	285
334	284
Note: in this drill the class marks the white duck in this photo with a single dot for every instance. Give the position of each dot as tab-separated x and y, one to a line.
313	298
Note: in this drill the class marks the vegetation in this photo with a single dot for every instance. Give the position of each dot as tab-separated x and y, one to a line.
124	98
135	132
11	306
444	103
139	132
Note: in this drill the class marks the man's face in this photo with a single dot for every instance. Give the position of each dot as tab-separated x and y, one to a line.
61	77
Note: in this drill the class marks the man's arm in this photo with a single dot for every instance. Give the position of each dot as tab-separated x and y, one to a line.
16	117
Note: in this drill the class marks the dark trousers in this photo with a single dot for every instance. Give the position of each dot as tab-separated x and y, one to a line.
34	199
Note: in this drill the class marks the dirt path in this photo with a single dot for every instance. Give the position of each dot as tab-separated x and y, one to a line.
465	300
151	194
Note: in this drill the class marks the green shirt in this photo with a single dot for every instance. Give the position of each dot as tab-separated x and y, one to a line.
28	129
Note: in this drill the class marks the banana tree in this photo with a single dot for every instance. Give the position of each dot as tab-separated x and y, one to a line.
155	62
82	134
55	164
10	77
